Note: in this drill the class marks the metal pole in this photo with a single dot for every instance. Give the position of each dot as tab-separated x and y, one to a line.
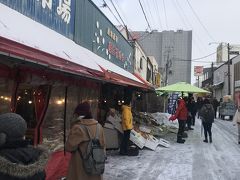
64	118
167	67
229	73
198	82
166	77
212	69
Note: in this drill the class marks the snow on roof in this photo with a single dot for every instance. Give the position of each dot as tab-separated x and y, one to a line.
21	29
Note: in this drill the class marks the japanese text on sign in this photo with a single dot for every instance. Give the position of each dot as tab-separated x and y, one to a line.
113	50
63	9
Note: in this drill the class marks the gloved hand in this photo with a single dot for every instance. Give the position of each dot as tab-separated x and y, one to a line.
172	118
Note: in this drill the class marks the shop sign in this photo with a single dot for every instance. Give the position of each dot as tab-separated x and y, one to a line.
111	34
237	83
198	70
56	14
158	79
112	47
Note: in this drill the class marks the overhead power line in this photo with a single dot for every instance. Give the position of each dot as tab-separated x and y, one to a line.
199	41
158	13
146	4
196	59
121	11
106	5
165	12
145	15
204	27
117	13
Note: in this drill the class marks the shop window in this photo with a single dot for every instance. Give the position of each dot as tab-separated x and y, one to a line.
25	106
5	95
53	126
30	104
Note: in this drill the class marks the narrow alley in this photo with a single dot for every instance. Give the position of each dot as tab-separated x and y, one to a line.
193	160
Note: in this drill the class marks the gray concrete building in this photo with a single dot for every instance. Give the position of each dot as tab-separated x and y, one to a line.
172	50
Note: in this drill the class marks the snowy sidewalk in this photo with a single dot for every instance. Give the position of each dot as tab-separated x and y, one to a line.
193	160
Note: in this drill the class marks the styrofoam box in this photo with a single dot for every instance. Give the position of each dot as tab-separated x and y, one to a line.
109	126
137	139
144	129
164	142
151	142
111	137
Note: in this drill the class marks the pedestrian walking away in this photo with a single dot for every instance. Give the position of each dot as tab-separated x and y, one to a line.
78	142
127	125
207	115
199	104
236	121
18	159
191	112
181	114
215	104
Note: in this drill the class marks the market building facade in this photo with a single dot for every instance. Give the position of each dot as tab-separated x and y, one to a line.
49	71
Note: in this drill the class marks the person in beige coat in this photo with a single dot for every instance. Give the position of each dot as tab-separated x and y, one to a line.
236	121
78	138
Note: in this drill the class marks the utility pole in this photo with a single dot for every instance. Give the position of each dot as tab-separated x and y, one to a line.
198	80
212	71
168	65
229	73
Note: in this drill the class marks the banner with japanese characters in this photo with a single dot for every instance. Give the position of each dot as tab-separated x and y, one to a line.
172	103
58	15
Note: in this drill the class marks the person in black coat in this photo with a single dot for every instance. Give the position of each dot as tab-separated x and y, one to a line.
207	115
190	113
199	104
215	105
18	160
193	110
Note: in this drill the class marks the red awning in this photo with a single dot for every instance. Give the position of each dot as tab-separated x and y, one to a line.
123	80
144	81
30	54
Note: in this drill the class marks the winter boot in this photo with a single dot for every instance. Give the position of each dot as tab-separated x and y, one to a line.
184	135
180	140
205	140
210	139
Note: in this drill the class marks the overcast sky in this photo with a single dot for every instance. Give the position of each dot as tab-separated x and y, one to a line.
210	21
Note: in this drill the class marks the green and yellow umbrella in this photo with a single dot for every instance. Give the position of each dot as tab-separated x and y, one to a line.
182	87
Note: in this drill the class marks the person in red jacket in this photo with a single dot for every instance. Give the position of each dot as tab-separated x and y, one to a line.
181	114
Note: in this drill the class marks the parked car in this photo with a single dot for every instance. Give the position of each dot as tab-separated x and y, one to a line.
227	109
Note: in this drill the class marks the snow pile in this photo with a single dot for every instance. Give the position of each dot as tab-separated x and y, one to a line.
163	118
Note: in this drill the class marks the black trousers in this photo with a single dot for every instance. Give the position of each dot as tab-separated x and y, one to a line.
189	121
181	127
125	142
207	129
215	113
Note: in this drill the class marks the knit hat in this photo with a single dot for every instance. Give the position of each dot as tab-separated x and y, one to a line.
12	127
83	109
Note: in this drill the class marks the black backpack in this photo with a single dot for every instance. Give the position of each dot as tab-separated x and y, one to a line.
207	113
94	156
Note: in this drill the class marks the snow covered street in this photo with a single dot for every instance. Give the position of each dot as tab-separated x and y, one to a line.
192	160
